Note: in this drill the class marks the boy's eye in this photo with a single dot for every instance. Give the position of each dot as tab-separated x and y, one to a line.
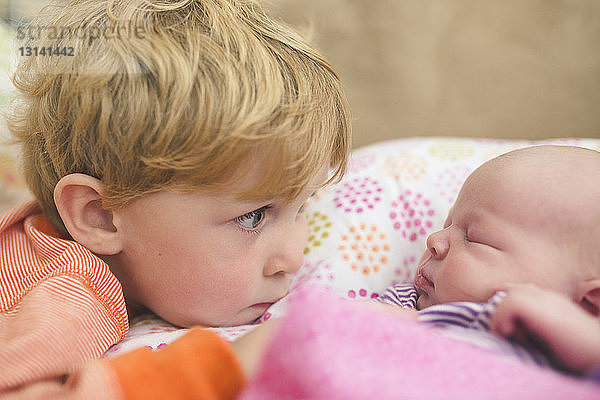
252	220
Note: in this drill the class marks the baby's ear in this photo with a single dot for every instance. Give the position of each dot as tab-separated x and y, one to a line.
79	203
589	297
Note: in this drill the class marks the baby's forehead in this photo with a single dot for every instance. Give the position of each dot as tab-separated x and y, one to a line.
538	187
547	163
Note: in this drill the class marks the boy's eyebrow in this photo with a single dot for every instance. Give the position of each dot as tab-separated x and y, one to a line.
252	201
248	202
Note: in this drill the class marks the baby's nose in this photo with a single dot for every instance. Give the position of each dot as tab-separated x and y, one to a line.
437	244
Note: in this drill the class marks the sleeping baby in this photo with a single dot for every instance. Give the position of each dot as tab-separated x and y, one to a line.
518	255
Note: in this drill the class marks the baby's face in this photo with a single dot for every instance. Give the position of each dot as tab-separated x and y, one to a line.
211	259
501	230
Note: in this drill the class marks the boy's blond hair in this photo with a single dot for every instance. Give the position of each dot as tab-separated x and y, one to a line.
174	94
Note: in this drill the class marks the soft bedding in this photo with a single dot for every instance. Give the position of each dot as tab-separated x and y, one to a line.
368	231
331	349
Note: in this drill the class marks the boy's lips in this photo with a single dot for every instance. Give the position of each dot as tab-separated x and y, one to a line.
262	307
267	304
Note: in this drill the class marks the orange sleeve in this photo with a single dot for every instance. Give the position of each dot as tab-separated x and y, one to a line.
199	365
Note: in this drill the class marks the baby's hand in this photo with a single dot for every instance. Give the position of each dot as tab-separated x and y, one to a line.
571	334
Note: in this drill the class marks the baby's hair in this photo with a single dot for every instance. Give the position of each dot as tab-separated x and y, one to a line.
181	95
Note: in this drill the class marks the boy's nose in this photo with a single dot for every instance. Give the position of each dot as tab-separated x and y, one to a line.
287	261
438	245
288	256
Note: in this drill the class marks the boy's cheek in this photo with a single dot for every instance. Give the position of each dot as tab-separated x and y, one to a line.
305	230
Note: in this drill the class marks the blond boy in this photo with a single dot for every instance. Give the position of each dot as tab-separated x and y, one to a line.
170	156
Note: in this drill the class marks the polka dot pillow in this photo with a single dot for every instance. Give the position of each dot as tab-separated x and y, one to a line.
368	231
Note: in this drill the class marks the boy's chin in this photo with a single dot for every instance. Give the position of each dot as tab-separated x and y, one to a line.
247	316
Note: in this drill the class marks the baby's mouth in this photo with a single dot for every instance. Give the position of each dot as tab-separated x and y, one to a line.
422	282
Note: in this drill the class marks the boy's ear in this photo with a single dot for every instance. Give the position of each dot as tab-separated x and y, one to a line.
589	296
78	201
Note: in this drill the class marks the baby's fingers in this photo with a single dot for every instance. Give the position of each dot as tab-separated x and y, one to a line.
504	321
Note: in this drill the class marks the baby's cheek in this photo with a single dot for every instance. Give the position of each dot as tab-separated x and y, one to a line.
474	293
452	286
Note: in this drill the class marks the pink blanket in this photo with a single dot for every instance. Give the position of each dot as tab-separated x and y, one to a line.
330	348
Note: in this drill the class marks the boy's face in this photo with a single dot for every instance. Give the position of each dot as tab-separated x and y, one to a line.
210	259
503	228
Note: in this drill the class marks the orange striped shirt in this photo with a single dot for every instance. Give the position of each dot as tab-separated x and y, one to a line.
59	303
198	365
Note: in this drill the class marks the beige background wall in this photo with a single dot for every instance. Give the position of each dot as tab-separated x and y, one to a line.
484	68
505	69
